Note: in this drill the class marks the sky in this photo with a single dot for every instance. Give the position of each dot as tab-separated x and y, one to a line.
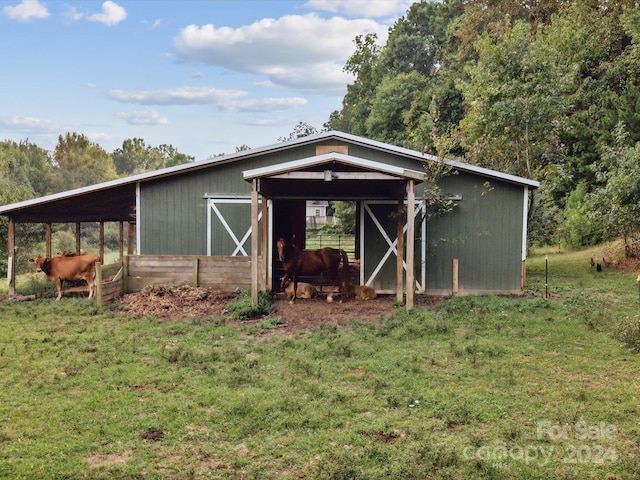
206	76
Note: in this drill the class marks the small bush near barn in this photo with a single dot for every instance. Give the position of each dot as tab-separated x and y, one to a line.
471	388
241	309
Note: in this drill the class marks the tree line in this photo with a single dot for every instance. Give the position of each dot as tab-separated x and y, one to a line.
548	90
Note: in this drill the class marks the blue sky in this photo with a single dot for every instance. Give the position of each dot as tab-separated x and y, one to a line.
205	76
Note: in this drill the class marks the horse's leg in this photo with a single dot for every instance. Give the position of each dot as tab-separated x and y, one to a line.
295	287
285	277
333	275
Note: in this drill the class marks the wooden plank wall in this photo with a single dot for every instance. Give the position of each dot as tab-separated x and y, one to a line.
221	273
140	271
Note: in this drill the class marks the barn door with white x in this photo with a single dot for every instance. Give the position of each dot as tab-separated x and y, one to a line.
382	215
234	216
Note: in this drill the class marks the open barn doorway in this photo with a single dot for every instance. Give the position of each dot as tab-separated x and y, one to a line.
309	224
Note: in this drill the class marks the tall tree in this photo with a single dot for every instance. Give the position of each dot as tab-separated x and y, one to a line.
135	156
615	201
81	162
515	96
356	103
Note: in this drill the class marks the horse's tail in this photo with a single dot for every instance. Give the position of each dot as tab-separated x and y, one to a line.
345	266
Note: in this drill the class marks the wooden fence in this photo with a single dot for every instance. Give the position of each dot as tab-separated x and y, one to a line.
140	271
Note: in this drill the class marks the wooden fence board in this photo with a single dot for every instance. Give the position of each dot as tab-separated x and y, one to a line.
140	271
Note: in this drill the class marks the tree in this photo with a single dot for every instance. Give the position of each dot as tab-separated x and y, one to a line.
615	202
345	212
302	129
356	103
136	156
515	96
81	162
394	99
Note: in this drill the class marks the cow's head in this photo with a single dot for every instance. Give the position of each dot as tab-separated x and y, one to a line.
38	261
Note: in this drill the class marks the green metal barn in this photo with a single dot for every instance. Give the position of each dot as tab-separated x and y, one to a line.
238	204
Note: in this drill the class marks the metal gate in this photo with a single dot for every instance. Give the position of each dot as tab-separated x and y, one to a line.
379	245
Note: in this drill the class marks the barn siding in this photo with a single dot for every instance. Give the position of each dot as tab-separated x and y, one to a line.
173	217
484	232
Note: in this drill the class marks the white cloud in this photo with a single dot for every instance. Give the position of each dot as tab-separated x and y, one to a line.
112	13
26	10
313	62
143	117
220	99
177	96
29	124
71	15
267	104
362	8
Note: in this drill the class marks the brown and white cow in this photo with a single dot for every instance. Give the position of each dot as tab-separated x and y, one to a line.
68	268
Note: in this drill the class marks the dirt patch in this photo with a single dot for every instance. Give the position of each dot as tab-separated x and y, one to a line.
100	461
180	302
198	302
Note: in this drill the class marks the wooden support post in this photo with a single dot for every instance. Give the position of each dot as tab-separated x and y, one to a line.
411	227
11	257
121	242
400	256
98	285
455	277
254	242
265	277
101	230
47	240
131	235
523	275
78	233
125	275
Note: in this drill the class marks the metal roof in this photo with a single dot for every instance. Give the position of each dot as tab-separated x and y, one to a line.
328	158
115	200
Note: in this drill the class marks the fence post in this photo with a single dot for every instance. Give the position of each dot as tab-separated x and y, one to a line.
125	274
196	265
455	277
97	285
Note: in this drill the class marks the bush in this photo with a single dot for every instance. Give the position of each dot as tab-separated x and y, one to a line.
628	332
241	309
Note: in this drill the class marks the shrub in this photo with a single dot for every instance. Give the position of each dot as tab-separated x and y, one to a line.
241	309
628	332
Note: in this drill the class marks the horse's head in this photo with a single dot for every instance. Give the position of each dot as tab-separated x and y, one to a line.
281	246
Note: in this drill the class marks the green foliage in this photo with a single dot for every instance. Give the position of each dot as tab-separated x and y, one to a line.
135	156
579	229
81	162
241	309
345	212
302	129
615	202
628	332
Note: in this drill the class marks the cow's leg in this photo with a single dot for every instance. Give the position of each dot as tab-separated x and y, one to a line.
59	288
91	284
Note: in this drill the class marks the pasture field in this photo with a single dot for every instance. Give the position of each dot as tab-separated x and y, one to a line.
342	241
491	387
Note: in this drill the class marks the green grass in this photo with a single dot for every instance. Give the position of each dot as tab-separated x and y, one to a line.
341	241
493	387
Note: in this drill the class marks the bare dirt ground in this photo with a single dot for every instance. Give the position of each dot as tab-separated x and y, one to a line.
198	302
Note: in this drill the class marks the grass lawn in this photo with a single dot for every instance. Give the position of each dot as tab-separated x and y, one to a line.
486	388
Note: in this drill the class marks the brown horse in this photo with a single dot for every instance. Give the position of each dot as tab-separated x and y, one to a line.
325	261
